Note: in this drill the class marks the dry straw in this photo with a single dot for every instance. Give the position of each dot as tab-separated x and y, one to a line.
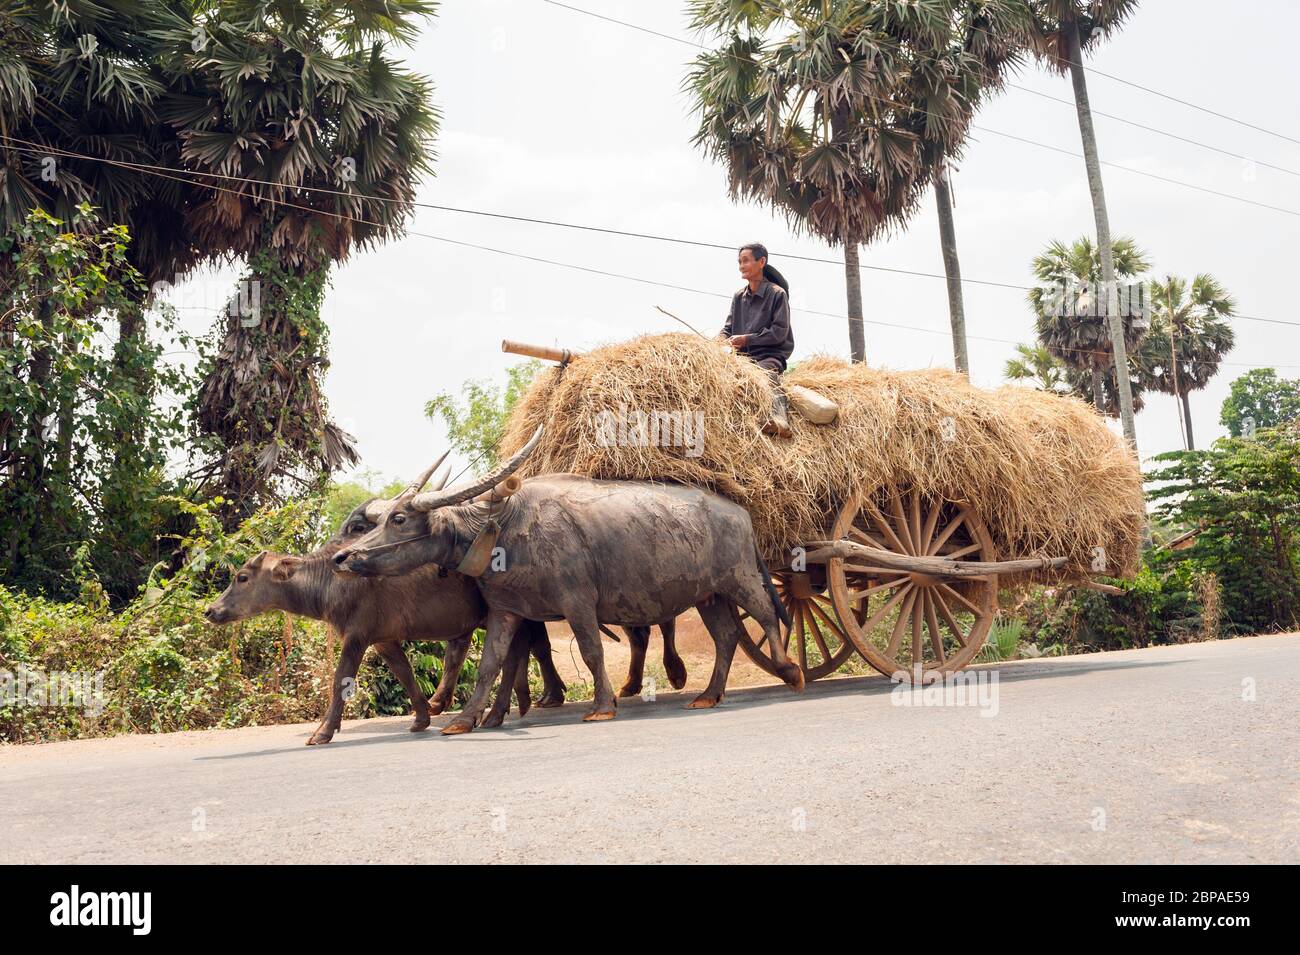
1046	474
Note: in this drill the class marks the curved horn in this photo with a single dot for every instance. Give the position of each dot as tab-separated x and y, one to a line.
375	509
418	484
430	500
441	482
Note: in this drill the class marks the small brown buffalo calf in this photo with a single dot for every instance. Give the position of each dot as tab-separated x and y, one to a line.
429	604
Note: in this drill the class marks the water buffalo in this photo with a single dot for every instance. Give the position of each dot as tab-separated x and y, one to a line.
629	553
430	604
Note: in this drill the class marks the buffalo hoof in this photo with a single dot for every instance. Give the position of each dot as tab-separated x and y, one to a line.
420	725
436	707
676	671
629	689
319	738
704	702
550	700
793	676
599	716
525	704
458	726
493	720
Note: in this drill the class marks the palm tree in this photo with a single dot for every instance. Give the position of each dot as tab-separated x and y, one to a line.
1064	29
1189	337
1038	366
290	98
986	40
1070	321
79	79
1085	385
808	105
78	86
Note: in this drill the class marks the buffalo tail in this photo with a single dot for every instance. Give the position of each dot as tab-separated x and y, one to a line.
779	607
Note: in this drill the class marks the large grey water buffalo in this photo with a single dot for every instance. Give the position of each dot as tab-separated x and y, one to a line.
429	604
593	552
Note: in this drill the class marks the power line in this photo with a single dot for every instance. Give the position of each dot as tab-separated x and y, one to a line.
1183	102
795	308
1162	132
644	281
1167	179
186	175
32	147
1139	172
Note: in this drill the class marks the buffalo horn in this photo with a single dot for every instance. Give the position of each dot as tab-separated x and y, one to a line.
375	509
430	500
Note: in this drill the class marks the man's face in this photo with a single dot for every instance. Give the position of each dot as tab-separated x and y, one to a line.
750	267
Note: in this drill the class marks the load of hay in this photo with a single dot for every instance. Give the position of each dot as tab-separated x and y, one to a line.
1046	474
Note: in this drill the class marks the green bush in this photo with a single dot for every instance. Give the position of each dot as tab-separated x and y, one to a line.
165	668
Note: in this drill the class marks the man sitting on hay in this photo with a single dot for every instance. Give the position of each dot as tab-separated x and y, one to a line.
758	326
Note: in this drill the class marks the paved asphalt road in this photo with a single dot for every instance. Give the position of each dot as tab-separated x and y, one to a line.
1141	756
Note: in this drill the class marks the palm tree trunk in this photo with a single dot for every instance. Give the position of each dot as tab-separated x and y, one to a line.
853	286
1090	159
1178	395
1098	398
1187	421
952	269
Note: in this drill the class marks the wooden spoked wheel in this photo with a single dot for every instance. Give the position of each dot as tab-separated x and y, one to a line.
815	640
912	624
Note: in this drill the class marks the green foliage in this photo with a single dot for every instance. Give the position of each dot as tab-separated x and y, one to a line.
88	408
1264	398
1003	640
165	668
477	422
260	416
1156	607
1038	366
1234	570
1242	498
343	497
1071	325
385	692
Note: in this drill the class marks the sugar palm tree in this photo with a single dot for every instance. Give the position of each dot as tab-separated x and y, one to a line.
1039	367
292	99
1087	386
1189	336
1064	29
807	106
1069	322
290	95
78	85
985	41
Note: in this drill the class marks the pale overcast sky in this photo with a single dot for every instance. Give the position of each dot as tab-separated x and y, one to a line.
551	114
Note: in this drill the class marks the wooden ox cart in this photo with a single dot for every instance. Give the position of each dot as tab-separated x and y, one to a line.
907	582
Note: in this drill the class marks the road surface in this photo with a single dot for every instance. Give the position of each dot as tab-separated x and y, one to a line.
1174	754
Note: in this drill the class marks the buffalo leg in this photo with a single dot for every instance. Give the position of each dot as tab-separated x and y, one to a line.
757	600
638	639
513	671
501	627
720	617
397	661
552	685
453	658
587	632
354	649
673	664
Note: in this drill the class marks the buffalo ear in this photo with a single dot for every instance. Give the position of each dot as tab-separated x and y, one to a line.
285	567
